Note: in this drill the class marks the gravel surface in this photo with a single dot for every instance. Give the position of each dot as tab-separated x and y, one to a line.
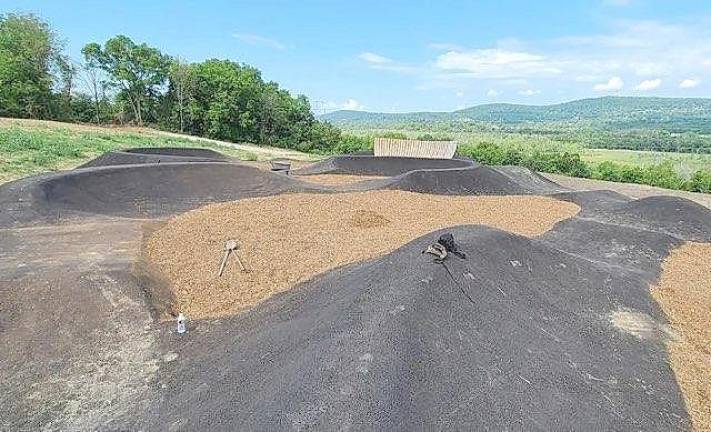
684	293
288	239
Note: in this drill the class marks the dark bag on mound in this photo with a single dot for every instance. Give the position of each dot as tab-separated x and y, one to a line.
447	240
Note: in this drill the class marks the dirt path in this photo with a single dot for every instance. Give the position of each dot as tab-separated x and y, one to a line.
629	189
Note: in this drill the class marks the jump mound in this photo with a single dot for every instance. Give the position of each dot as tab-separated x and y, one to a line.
519	335
475	180
380	166
674	216
143	190
156	155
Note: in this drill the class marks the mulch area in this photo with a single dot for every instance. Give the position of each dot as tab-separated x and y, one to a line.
684	293
288	239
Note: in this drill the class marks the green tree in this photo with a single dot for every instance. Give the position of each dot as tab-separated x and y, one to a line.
179	92
138	71
28	52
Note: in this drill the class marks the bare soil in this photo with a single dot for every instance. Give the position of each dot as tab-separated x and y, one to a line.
684	293
288	239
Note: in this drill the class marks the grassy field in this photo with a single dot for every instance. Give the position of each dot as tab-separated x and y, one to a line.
32	147
684	163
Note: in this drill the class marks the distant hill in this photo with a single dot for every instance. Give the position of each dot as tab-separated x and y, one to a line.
674	114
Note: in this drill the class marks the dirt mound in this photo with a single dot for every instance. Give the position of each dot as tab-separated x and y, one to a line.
291	238
481	180
676	216
380	166
528	179
156	155
518	335
145	190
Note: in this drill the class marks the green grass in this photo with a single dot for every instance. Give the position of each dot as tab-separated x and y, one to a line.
26	150
684	163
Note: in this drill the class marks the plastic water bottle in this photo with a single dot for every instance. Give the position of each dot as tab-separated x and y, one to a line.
181	323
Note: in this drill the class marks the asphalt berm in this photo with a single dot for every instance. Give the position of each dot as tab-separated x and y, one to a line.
554	331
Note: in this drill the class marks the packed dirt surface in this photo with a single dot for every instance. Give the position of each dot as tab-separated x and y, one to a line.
288	239
547	324
684	293
629	189
337	179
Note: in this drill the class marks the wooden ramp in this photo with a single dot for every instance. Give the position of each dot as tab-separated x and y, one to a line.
414	148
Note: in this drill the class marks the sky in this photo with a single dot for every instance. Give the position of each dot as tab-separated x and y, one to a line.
397	56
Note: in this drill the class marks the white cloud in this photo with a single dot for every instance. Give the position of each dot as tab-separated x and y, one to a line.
378	62
254	39
460	94
492	93
352	104
348	104
613	84
529	92
373	58
633	50
648	85
689	83
495	64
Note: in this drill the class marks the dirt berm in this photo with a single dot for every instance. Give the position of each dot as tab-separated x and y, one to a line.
519	336
141	190
380	166
556	332
156	155
148	183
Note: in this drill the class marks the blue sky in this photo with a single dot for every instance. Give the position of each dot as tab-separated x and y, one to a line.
420	55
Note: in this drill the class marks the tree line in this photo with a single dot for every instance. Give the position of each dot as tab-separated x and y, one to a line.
125	82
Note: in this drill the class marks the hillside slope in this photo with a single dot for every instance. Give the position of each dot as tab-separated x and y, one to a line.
683	114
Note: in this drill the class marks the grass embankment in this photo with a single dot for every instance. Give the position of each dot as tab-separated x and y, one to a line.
28	148
570	163
559	153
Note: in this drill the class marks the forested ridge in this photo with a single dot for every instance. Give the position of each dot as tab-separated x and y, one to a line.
634	123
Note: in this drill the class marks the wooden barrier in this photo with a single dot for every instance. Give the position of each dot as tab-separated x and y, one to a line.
414	148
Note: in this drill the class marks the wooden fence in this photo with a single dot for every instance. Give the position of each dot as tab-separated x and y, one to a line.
414	148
